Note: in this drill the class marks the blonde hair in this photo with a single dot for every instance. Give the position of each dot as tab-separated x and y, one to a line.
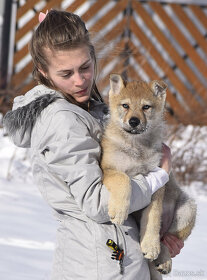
59	30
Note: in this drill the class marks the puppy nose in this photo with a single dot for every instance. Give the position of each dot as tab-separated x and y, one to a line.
134	122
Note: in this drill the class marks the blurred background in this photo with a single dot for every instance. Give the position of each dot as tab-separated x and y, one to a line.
139	39
145	40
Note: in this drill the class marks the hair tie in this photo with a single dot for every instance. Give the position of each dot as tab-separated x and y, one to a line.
42	16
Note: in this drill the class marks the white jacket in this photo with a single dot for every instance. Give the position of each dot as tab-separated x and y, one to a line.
64	140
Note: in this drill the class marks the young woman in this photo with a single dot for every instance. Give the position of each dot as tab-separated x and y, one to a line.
61	120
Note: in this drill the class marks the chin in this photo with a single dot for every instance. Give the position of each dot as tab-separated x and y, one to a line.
82	99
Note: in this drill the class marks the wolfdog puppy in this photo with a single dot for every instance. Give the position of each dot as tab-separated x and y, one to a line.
132	144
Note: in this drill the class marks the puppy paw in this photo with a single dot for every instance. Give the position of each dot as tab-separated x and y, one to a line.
164	268
118	212
150	248
163	263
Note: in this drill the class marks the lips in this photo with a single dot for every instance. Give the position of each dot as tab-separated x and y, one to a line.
83	91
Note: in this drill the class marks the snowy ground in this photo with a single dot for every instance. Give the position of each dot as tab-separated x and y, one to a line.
27	232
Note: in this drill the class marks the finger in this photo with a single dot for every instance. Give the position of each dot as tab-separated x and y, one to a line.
172	245
165	148
172	238
168	246
164	145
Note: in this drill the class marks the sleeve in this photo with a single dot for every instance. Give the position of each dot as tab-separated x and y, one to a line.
73	155
157	179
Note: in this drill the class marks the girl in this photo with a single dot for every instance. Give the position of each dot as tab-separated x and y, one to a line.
61	121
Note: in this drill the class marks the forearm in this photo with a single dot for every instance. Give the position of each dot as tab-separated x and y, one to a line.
144	186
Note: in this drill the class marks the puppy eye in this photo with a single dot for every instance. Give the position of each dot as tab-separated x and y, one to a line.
126	106
146	107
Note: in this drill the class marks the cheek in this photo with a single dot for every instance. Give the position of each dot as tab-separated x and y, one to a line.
89	75
56	80
123	115
59	82
63	85
153	115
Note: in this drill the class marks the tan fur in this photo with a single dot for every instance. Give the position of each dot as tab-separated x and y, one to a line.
150	222
132	145
184	233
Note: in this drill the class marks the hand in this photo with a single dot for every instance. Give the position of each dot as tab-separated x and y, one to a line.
173	243
166	159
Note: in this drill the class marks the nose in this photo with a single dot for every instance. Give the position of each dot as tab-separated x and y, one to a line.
79	79
134	122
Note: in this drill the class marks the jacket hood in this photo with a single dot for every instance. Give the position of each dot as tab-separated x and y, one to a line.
19	122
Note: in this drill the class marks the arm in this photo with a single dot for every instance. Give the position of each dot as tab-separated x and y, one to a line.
151	182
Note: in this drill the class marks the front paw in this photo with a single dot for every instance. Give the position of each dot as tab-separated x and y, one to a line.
163	263
165	267
118	212
150	247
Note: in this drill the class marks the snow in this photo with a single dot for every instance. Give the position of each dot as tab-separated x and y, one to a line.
28	228
193	258
27	234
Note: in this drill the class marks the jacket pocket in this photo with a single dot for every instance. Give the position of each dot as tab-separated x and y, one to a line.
107	268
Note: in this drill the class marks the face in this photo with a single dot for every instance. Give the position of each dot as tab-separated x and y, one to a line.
72	71
137	106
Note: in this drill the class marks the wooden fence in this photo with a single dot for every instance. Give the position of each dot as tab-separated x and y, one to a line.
139	39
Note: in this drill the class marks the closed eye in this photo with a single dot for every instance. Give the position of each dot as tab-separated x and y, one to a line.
85	68
67	75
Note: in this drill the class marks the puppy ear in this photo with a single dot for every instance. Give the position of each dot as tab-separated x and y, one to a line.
116	83
159	88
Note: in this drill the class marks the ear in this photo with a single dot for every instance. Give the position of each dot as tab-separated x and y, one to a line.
42	72
159	88
116	83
